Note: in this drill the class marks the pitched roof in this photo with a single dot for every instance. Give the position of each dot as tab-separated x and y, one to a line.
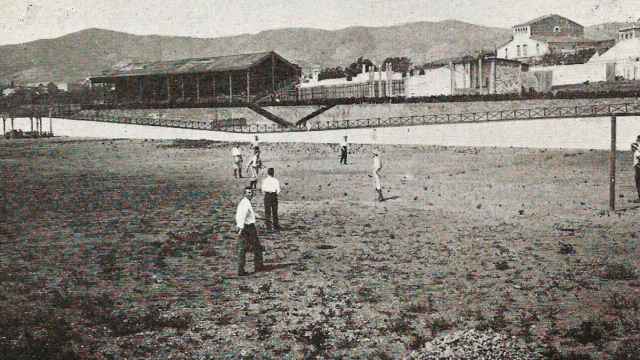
623	50
543	17
194	65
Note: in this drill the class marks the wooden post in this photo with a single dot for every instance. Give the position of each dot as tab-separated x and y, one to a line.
453	79
168	88
31	120
182	86
230	88
273	72
480	82
50	124
197	88
248	85
213	87
4	126
612	166
12	128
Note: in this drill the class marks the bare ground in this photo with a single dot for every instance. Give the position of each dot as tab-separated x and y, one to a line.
125	249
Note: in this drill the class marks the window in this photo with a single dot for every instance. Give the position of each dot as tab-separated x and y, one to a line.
524	50
518	50
537	49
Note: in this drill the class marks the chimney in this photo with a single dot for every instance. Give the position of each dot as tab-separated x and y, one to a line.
364	68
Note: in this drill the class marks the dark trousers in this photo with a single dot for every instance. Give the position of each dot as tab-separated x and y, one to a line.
637	169
271	209
249	242
343	155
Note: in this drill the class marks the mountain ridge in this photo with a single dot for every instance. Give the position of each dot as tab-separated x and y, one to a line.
87	52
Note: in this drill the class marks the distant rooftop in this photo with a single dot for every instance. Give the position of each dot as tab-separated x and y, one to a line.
539	18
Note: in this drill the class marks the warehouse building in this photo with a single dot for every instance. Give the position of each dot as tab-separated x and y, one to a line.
244	77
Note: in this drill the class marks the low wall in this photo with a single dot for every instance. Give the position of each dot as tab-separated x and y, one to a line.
574	74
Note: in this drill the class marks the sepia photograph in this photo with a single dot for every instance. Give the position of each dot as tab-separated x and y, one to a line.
336	179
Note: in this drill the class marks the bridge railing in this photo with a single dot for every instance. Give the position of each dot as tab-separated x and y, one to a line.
581	111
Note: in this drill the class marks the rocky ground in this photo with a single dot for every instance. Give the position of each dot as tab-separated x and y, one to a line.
119	249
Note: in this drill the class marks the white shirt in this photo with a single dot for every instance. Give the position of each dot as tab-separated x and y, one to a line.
254	144
377	164
343	143
245	214
271	184
235	151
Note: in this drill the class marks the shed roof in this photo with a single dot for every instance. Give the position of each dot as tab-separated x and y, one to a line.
193	65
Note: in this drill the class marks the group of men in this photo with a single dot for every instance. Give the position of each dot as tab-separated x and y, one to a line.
377	166
245	216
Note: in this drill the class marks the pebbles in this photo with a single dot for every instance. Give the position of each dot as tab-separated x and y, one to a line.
474	344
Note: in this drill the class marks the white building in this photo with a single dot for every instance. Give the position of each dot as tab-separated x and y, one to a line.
624	57
547	34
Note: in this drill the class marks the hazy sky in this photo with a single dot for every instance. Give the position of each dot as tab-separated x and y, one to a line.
22	21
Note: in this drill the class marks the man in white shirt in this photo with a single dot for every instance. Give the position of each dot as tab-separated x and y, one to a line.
248	236
343	151
254	166
271	189
377	167
635	149
237	162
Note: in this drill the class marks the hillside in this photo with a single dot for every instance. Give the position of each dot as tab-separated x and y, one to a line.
604	30
78	55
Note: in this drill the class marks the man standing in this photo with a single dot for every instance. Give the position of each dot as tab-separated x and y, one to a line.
254	166
271	189
343	151
248	236
635	149
377	166
237	162
255	144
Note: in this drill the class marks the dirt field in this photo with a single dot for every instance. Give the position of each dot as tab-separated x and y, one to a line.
121	249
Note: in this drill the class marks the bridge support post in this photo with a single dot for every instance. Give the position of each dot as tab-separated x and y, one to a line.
612	166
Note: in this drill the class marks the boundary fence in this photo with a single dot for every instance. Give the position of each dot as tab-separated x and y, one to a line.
583	111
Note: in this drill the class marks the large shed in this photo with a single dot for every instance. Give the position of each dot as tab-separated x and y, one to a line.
245	77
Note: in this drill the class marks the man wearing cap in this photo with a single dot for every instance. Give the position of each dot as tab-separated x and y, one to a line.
248	236
377	166
237	162
271	189
635	149
343	151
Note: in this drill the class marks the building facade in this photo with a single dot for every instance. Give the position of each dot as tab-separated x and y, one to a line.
629	32
551	33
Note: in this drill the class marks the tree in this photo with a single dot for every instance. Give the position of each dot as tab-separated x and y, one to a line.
356	67
332	73
398	64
